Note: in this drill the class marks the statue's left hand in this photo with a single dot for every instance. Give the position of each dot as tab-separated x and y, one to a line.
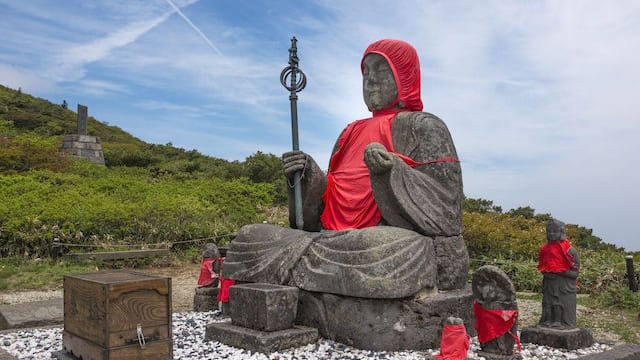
378	159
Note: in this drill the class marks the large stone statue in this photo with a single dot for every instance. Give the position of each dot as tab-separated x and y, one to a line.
559	264
384	222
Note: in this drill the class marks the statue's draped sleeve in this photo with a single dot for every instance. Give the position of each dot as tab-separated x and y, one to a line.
313	183
428	197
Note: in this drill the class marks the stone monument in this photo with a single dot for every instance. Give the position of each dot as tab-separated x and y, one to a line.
81	145
379	260
455	341
496	311
559	264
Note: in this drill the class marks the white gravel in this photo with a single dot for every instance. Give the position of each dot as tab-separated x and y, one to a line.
189	343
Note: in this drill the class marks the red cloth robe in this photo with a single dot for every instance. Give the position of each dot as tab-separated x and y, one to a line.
454	344
225	284
207	275
555	258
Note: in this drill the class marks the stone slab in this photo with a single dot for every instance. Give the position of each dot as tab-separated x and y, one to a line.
81	138
566	339
385	324
264	307
32	314
620	352
205	299
261	341
6	356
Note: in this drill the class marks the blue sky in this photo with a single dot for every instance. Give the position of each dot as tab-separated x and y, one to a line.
540	96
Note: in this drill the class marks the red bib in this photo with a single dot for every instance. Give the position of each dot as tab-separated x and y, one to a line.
555	258
491	324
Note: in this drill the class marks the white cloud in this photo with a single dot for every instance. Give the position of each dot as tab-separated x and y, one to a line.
29	81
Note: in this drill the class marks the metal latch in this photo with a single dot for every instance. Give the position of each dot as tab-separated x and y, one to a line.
141	340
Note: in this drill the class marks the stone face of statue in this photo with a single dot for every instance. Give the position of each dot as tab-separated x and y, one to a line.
378	84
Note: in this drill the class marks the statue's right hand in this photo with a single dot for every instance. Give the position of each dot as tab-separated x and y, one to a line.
293	161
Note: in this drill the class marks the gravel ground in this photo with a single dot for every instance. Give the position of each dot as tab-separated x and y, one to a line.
188	331
189	343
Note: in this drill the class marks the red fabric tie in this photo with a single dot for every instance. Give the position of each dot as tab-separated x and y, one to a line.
555	258
454	343
225	284
491	324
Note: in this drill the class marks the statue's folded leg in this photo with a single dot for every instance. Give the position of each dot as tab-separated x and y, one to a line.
265	253
380	262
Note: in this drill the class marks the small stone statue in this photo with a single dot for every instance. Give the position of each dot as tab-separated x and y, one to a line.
210	266
454	344
496	312
559	264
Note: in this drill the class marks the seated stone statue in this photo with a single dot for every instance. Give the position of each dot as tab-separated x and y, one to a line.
559	264
385	221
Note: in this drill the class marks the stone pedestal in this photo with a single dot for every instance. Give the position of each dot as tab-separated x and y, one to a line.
205	299
262	318
385	325
577	338
494	356
261	341
84	147
265	307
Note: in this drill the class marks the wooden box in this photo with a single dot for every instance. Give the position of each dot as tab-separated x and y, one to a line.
117	315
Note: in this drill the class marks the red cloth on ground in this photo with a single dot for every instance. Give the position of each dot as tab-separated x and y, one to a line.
207	275
225	284
555	258
454	343
348	198
491	324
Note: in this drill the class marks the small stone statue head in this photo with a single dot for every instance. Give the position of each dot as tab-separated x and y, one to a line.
491	286
391	76
210	251
555	230
452	320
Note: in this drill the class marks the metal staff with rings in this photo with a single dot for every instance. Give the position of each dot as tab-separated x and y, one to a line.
297	82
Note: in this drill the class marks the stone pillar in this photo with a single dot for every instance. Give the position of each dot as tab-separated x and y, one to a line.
81	145
82	120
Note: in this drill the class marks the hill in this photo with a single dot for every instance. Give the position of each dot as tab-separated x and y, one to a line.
146	193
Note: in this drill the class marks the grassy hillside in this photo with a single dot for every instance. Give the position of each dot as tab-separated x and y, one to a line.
146	193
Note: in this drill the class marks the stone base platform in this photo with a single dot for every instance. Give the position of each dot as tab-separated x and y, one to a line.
385	325
205	299
31	314
619	352
84	147
260	341
493	356
577	338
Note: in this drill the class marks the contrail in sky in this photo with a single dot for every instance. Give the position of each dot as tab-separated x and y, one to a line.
177	9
